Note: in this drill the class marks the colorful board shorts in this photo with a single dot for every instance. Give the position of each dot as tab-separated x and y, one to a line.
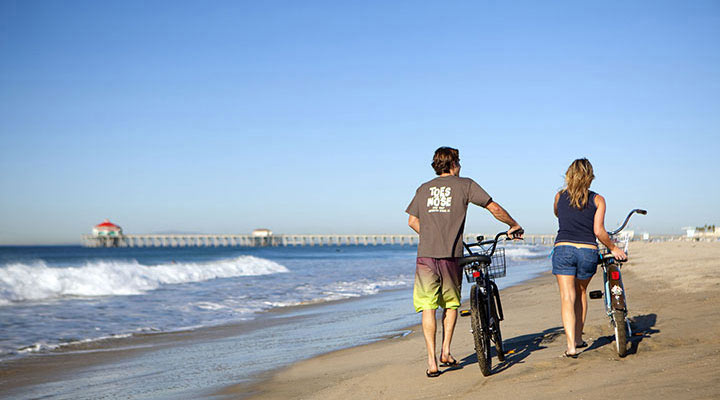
437	283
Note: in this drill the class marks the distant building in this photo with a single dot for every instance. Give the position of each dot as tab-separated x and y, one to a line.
702	232
107	229
628	233
689	231
262	232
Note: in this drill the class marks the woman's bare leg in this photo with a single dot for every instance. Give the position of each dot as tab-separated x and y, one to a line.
566	283
581	306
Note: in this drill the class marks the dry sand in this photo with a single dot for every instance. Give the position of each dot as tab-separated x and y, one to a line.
673	295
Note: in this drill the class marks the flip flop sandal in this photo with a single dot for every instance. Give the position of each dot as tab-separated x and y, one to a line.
565	354
432	374
449	363
581	345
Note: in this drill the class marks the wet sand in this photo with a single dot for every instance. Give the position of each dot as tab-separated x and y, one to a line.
673	295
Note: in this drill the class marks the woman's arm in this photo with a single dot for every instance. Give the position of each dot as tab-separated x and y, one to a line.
601	233
557	197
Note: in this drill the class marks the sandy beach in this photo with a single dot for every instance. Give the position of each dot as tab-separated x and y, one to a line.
673	294
673	289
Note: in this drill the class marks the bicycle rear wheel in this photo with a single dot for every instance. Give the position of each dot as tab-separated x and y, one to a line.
618	317
479	322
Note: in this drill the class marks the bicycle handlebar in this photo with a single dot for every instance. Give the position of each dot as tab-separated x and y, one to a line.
494	242
637	210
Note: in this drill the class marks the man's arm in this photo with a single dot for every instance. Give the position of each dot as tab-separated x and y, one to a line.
414	223
501	215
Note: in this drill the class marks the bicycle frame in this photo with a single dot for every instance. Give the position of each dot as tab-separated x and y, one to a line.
614	290
488	287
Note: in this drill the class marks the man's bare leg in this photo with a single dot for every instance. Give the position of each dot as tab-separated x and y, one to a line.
449	319
429	327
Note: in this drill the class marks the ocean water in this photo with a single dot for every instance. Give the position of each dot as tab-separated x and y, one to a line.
54	298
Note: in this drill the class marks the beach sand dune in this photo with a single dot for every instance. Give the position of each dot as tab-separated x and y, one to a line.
674	298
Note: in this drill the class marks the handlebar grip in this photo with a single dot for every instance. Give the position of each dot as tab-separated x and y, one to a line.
513	235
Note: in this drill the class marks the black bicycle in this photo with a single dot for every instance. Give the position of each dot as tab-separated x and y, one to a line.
614	291
481	267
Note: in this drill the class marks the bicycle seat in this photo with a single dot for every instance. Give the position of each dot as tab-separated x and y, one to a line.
463	261
610	257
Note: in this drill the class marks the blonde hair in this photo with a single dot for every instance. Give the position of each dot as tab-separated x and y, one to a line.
578	178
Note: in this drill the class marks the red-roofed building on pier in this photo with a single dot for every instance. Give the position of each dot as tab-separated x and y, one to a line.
106	234
107	228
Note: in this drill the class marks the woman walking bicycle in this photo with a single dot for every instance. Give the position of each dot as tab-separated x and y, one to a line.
581	220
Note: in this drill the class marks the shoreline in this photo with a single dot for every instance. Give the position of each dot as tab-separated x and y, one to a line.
54	364
671	286
255	388
42	372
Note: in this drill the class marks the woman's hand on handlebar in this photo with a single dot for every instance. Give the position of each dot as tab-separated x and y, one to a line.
515	232
618	253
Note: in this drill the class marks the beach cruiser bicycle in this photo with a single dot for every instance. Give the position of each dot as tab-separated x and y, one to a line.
614	291
481	267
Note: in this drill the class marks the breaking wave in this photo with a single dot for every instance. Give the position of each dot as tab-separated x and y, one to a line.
527	252
31	282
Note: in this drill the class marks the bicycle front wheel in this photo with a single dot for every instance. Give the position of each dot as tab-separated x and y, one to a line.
479	322
620	323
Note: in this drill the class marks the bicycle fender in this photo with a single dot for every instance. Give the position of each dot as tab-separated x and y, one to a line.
496	296
617	292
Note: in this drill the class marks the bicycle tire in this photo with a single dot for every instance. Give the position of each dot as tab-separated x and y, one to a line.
479	323
620	332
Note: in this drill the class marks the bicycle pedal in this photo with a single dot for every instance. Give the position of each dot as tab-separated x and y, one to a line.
596	294
464	313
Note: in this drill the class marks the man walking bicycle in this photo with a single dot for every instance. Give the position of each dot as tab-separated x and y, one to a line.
437	214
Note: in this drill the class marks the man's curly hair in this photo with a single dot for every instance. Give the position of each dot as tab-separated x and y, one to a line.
445	158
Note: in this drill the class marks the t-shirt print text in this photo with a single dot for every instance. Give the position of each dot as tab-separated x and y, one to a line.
439	200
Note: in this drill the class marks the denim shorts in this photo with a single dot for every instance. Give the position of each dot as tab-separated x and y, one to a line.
578	262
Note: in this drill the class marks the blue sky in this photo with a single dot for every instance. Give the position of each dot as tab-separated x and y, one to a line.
322	116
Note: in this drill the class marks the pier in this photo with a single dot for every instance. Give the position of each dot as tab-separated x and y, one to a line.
236	240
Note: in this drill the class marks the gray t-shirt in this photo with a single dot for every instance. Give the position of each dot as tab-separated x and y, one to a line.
441	205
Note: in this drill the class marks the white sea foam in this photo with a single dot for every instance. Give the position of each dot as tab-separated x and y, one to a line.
362	287
341	290
22	282
41	346
524	252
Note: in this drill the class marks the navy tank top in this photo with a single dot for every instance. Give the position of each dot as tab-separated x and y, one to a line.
576	226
